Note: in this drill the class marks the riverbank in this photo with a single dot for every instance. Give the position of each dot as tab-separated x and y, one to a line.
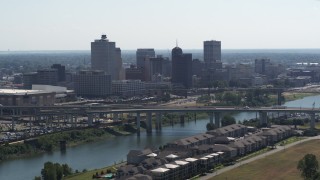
51	142
291	96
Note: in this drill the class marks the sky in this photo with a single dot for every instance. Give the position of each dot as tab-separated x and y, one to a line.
238	24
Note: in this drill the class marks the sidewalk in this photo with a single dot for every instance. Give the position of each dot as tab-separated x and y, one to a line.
279	148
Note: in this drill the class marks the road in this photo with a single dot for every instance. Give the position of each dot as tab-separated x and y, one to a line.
279	148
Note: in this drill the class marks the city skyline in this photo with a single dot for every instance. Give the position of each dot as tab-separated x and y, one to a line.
60	25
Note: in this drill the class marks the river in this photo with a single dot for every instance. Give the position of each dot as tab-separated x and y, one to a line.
107	152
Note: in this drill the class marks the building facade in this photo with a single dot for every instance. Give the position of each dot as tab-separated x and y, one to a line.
61	70
105	57
22	97
181	68
211	52
127	88
92	84
141	54
47	76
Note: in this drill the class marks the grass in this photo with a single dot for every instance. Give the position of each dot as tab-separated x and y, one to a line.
281	165
256	153
290	96
88	175
289	140
307	126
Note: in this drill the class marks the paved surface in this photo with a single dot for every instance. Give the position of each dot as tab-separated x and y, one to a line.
279	148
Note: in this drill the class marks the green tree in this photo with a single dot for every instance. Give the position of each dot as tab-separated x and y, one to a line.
49	171
66	169
59	171
308	166
227	120
37	178
210	126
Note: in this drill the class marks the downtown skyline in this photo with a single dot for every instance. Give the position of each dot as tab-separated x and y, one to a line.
59	25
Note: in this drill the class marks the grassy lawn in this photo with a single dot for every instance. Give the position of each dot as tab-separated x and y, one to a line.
281	165
87	175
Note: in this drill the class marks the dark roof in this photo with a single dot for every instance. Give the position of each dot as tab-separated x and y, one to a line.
139	152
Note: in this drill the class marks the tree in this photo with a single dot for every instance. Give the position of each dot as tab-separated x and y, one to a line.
49	172
55	171
227	120
210	126
37	178
66	169
308	166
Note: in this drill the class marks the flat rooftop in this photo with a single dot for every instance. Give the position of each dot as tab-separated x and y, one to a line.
20	91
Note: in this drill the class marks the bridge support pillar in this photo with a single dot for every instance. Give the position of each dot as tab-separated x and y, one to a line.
149	122
211	114
263	119
30	124
195	117
138	123
75	121
279	97
158	121
312	120
182	118
115	116
13	123
90	119
217	119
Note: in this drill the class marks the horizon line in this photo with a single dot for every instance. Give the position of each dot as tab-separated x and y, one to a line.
167	49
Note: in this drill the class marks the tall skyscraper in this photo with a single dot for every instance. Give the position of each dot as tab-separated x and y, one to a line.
181	68
141	54
260	65
211	53
104	56
118	64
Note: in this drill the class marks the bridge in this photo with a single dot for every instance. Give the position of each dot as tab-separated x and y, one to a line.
70	113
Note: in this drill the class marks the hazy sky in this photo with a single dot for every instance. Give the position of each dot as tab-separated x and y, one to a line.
239	24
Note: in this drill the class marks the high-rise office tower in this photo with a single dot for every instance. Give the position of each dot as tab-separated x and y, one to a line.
141	54
104	56
181	68
118	64
61	71
211	53
260	65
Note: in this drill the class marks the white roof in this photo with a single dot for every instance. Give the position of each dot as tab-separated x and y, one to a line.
220	152
214	154
172	156
191	159
20	91
181	162
160	170
171	166
204	158
152	155
209	156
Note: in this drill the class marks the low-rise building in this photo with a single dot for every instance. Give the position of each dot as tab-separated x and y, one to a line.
127	88
23	97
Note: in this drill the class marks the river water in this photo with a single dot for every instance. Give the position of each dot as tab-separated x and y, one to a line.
107	152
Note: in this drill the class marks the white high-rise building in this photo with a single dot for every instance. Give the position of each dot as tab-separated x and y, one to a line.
211	52
104	57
